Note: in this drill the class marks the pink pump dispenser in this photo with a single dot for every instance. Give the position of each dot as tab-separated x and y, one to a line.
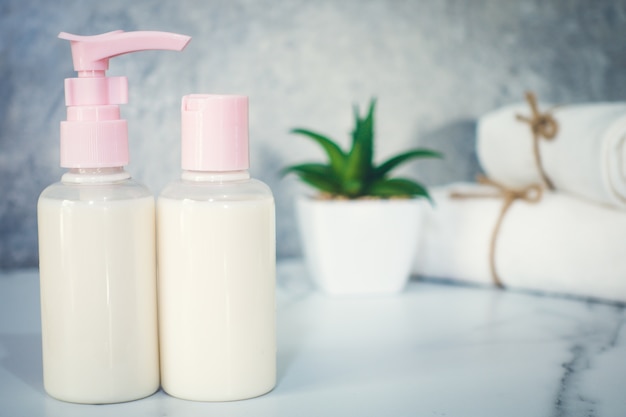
94	135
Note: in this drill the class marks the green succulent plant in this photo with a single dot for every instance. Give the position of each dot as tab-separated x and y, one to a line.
353	174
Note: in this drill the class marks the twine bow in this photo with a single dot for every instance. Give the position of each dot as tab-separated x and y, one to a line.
543	126
530	194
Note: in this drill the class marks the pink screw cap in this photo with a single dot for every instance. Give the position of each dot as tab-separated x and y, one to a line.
214	133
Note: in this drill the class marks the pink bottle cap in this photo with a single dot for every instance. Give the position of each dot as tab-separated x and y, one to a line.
214	133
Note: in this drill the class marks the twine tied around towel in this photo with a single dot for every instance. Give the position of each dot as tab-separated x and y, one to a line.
543	126
530	194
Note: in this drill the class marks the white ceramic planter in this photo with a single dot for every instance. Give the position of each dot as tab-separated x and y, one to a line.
359	246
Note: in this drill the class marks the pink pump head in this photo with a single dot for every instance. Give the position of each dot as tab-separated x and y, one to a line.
94	136
214	133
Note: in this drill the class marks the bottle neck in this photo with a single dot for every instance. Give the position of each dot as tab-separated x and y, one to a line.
215	176
95	175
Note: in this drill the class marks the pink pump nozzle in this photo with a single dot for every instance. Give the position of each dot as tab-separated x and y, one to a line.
92	53
94	136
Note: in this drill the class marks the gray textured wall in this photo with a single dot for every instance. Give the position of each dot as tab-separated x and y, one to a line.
435	66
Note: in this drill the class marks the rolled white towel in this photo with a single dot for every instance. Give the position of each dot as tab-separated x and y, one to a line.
559	245
587	158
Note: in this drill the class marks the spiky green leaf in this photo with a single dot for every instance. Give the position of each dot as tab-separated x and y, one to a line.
353	188
336	157
398	187
391	163
318	176
359	160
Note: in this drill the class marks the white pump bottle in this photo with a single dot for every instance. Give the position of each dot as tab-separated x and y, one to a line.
97	256
216	257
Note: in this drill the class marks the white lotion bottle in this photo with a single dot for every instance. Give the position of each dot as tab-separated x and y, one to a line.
217	262
97	243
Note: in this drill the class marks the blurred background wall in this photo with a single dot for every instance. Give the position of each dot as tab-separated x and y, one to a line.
434	65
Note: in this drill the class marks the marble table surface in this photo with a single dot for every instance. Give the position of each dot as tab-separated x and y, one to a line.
434	350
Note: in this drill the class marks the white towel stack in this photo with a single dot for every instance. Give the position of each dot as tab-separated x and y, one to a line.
573	241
